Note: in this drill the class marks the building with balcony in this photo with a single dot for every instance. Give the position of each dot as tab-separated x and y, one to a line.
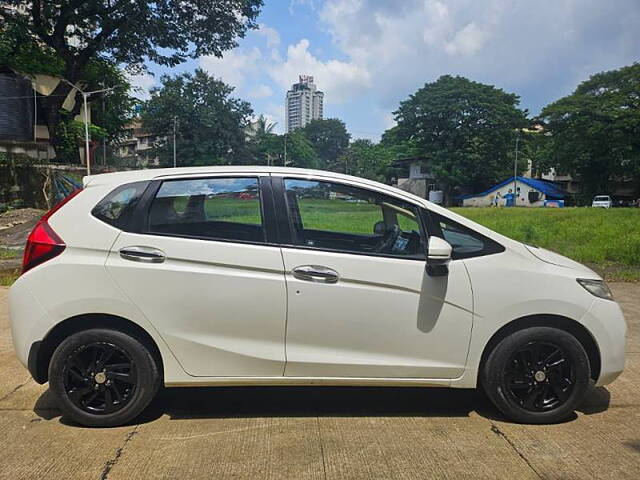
304	102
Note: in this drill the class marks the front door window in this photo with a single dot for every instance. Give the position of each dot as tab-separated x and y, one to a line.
336	217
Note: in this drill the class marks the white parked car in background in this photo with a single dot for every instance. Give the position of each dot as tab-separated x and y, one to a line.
282	276
602	201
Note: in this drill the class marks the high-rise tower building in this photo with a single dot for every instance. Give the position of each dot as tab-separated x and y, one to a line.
304	103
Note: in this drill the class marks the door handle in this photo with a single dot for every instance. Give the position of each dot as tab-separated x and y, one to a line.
142	254
315	273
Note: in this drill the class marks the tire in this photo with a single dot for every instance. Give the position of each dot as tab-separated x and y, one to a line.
103	377
537	375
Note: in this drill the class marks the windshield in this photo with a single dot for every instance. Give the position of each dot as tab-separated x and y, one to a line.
601	198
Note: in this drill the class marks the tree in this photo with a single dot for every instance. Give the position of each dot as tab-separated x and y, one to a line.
329	139
535	149
261	127
125	32
363	158
596	131
466	131
269	149
209	122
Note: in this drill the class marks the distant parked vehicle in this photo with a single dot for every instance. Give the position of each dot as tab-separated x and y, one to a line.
602	201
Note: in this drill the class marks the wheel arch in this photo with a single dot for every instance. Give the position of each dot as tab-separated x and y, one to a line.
41	352
566	324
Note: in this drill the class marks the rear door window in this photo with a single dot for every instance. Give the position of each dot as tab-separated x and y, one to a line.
117	207
210	208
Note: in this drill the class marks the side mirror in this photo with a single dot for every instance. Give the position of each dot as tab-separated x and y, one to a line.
438	257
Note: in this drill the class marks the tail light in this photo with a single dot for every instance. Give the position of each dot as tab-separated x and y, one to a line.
43	243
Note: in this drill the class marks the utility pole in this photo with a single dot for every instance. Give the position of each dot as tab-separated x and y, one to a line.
104	140
86	119
285	150
175	119
515	171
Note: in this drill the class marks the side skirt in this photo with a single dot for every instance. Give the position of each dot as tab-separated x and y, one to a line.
310	381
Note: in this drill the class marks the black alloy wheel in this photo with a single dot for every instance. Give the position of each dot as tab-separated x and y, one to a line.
539	376
104	377
99	378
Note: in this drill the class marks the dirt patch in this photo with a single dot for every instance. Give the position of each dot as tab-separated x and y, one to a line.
15	226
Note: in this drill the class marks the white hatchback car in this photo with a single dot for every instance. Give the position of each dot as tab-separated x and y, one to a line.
282	276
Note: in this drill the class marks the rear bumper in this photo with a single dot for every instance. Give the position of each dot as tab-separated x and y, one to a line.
606	323
29	325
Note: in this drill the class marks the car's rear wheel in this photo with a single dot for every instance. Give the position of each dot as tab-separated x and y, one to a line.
103	377
537	375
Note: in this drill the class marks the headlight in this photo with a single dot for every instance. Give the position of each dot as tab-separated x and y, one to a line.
596	287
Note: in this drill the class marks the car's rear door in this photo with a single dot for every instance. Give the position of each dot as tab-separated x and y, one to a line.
203	268
360	303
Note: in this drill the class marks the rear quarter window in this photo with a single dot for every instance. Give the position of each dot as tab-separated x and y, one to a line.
117	207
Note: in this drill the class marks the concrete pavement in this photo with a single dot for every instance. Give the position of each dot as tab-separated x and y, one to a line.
311	432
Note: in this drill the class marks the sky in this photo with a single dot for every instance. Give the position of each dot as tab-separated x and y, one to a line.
368	55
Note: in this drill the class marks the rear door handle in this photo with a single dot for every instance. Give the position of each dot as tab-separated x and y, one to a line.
142	254
315	273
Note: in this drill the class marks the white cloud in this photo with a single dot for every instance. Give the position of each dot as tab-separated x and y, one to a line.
339	80
271	34
141	83
234	66
261	91
467	41
539	50
274	112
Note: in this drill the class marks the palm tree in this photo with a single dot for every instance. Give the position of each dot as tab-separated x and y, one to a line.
262	127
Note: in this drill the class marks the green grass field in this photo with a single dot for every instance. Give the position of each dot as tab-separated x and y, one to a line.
606	240
609	240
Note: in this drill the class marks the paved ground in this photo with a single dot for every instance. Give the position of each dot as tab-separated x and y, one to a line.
335	433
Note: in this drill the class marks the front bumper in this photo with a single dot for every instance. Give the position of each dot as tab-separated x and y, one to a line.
606	323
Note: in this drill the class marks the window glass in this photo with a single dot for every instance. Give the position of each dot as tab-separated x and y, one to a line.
218	208
332	216
465	242
116	208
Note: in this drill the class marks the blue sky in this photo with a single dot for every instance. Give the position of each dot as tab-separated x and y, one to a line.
368	55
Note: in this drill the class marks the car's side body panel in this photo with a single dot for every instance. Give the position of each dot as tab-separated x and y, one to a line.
221	307
513	285
385	317
76	282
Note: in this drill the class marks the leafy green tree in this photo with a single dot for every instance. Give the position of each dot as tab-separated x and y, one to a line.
329	139
535	150
300	151
596	131
363	158
210	124
466	131
125	32
269	149
110	113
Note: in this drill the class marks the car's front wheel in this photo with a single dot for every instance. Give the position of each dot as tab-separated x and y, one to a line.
537	375
103	377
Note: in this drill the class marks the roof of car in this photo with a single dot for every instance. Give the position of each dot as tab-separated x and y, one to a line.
118	178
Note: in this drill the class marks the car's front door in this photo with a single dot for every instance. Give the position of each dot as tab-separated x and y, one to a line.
204	272
360	303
